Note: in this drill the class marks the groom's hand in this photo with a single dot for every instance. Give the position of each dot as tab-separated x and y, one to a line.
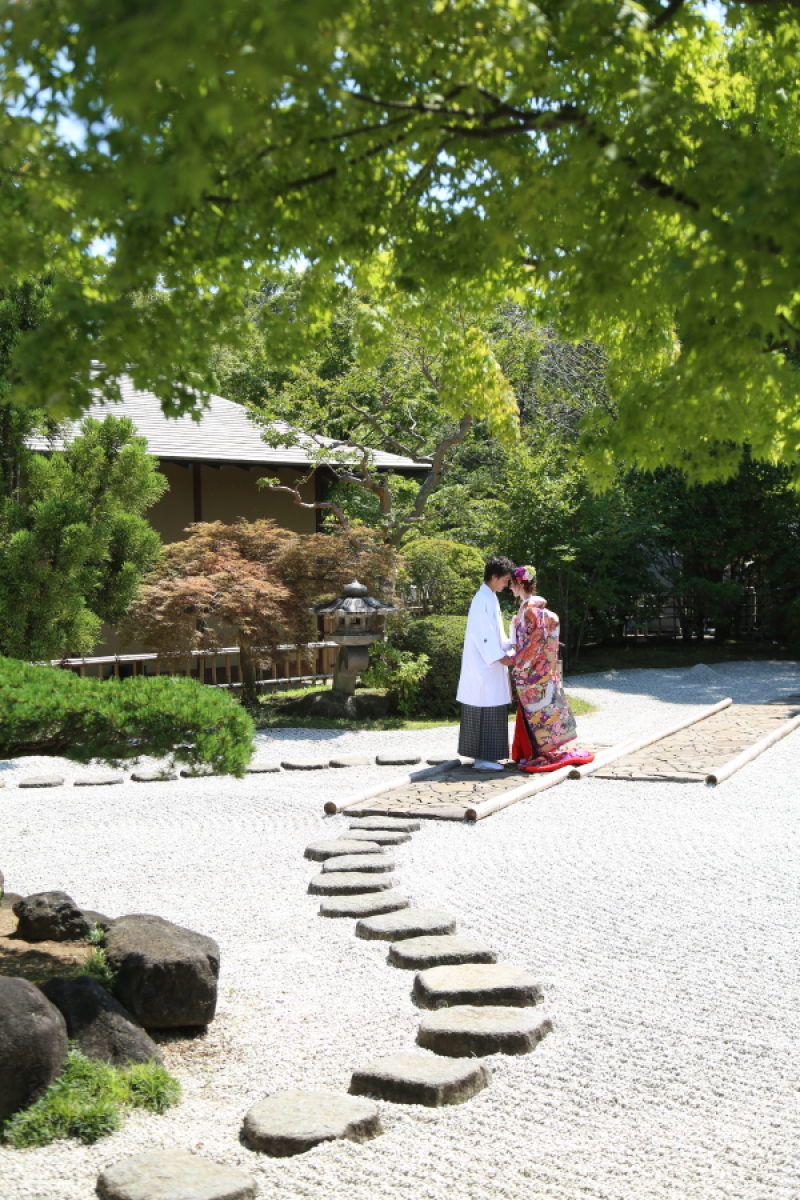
507	660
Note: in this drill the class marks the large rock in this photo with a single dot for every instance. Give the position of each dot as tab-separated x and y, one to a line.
468	1029
165	975
50	917
421	1079
173	1175
33	1044
98	1023
294	1121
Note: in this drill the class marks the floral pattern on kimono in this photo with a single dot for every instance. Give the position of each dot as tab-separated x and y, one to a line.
550	722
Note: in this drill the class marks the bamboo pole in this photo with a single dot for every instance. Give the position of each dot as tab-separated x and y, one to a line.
752	752
529	788
332	807
634	744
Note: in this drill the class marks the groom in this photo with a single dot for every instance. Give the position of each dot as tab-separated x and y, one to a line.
484	691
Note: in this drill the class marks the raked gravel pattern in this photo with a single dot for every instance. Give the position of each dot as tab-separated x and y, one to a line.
661	920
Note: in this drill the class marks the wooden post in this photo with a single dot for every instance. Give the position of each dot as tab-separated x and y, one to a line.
116	668
228	679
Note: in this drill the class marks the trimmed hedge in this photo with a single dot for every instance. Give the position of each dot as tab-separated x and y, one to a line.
46	710
442	640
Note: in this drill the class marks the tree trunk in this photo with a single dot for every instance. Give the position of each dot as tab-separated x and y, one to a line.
247	668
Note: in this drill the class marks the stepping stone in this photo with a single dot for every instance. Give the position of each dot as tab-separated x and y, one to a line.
269	769
362	906
173	1175
359	862
469	1029
410	923
397	760
319	851
476	983
292	1122
303	764
99	780
438	760
384	837
417	1079
351	760
417	953
152	776
348	883
41	781
388	824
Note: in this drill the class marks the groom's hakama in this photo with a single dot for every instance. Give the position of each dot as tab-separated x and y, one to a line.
484	691
484	732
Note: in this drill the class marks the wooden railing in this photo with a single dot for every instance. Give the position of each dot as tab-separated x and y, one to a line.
217	669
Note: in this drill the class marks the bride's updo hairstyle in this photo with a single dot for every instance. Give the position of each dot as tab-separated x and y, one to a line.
526	576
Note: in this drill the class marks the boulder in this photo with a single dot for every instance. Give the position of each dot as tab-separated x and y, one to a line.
98	1023
50	917
98	919
165	975
33	1044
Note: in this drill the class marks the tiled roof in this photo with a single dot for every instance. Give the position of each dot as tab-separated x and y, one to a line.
225	433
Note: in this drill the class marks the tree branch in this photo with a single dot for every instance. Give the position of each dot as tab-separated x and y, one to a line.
665	15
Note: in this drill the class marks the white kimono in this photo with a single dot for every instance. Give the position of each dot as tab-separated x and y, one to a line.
484	680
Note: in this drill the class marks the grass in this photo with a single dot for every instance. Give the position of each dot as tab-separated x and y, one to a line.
97	968
89	1099
269	715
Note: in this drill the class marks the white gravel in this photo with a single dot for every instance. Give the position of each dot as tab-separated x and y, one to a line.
661	918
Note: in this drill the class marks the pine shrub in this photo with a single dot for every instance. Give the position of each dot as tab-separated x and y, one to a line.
45	710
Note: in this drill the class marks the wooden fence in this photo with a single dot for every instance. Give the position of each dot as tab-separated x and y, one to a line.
220	669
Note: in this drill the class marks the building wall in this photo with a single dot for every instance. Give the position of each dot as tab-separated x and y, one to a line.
225	494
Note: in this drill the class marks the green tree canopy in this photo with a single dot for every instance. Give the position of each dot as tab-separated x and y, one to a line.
625	168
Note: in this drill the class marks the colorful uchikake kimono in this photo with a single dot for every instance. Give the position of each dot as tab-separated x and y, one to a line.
545	723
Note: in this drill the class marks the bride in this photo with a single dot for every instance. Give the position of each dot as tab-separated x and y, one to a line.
545	723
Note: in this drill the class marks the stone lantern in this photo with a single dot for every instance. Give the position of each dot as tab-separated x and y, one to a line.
354	621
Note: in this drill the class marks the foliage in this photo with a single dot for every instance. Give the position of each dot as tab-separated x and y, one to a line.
252	581
441	640
398	672
627	170
97	968
398	392
443	575
73	540
88	1099
44	710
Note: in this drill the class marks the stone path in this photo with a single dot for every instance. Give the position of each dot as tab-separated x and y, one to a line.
688	756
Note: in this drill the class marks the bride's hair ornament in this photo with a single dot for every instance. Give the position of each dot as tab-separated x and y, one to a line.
525	575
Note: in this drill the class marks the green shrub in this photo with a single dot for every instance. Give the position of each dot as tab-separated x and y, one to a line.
399	672
88	1099
44	710
792	625
443	574
441	639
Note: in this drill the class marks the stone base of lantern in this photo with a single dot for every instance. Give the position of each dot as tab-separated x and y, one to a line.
363	706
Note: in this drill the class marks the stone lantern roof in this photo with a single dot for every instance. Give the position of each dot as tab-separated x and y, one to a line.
354	600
